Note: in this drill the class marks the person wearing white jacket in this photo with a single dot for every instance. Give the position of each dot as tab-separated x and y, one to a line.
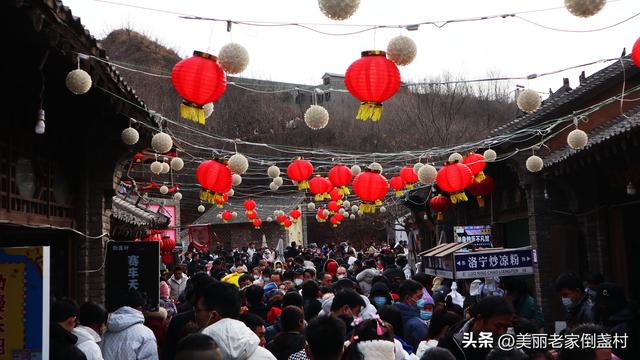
93	319
365	277
126	336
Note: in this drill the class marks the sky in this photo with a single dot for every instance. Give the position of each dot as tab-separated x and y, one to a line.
508	47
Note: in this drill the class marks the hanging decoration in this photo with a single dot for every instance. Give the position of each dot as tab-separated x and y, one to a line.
161	143
233	58
273	171
402	50
78	81
352	217
529	101
354	208
453	178
167	258
176	164
156	167
577	139
417	166
476	163
164	190
249	206
455	157
273	186
236	179
336	196
319	187
311	206
338	9
333	207
635	53
215	178
208	110
584	8
199	80
355	170
397	184
287	223
481	189
230	192
440	204
238	164
257	223
130	136
201	209
281	219
165	168
346	204
295	214
372	79
251	215
409	176
269	219
490	155
374	166
383	209
322	214
341	176
177	196
534	163
316	117
300	170
371	187
427	174
226	216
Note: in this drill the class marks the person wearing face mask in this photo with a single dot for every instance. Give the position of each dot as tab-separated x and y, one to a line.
341	273
425	305
93	323
576	302
380	295
415	329
346	305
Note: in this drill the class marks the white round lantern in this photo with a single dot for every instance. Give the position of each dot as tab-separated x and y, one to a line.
177	196
354	208
577	139
233	58
311	206
534	163
316	117
236	179
156	167
352	217
201	208
427	174
234	214
375	167
269	219
164	189
78	81
231	192
490	155
278	181
346	204
219	216
355	170
177	164
342	211
273	186
276	213
455	157
130	136
584	8
325	212
273	171
165	168
161	142
383	209
338	9
238	164
417	167
402	50
529	101
208	110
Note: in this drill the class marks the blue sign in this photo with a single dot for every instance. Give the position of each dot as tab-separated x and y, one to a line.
507	262
481	234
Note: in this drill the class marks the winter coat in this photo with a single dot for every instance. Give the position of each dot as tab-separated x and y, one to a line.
426	345
623	322
414	329
88	340
260	310
312	308
453	343
527	308
156	321
285	344
581	312
364	279
177	286
236	341
63	345
178	328
127	337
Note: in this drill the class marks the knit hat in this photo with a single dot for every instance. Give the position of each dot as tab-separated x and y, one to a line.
164	290
427	297
377	349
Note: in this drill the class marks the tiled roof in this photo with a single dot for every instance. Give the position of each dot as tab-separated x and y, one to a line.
601	134
126	211
589	87
264	207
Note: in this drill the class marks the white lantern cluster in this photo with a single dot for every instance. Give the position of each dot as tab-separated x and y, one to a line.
402	50
417	167
269	219
338	9
383	209
231	192
238	164
208	110
130	136
354	208
233	58
236	179
161	143
165	168
584	8
374	166
355	170
529	101
346	204
311	206
427	174
352	217
316	117
78	81
455	157
534	163
273	171
278	181
156	167
177	164
177	196
273	186
490	155
577	139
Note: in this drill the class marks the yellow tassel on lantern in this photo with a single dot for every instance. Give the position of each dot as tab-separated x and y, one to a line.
480	177
256	227
318	197
303	185
368	208
480	200
459	196
192	112
440	216
322	220
399	193
409	186
327	196
369	110
344	190
377	112
378	203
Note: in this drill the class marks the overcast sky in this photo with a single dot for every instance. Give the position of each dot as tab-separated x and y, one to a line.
509	47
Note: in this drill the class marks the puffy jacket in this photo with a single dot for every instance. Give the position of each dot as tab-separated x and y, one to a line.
177	286
88	341
415	330
127	337
236	341
62	345
365	277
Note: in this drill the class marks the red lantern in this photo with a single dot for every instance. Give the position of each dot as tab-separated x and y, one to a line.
476	164
215	179
341	176
167	244
251	215
482	189
226	216
281	219
295	214
249	205
221	201
336	195
372	79
397	184
320	215
409	176
440	204
300	170
371	188
339	216
257	223
167	258
333	207
199	80
454	178
287	223
334	221
319	187
635	53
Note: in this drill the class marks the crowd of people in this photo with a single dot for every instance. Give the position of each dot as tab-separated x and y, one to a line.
334	302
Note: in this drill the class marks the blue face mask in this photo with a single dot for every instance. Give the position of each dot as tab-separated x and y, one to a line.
425	315
566	302
379	300
420	303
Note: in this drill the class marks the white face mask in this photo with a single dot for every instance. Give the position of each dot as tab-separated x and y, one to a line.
298	282
341	276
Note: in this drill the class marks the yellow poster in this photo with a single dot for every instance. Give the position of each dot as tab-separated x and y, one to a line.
11	309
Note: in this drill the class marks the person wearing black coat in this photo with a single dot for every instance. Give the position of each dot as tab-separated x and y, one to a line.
64	313
291	339
618	317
